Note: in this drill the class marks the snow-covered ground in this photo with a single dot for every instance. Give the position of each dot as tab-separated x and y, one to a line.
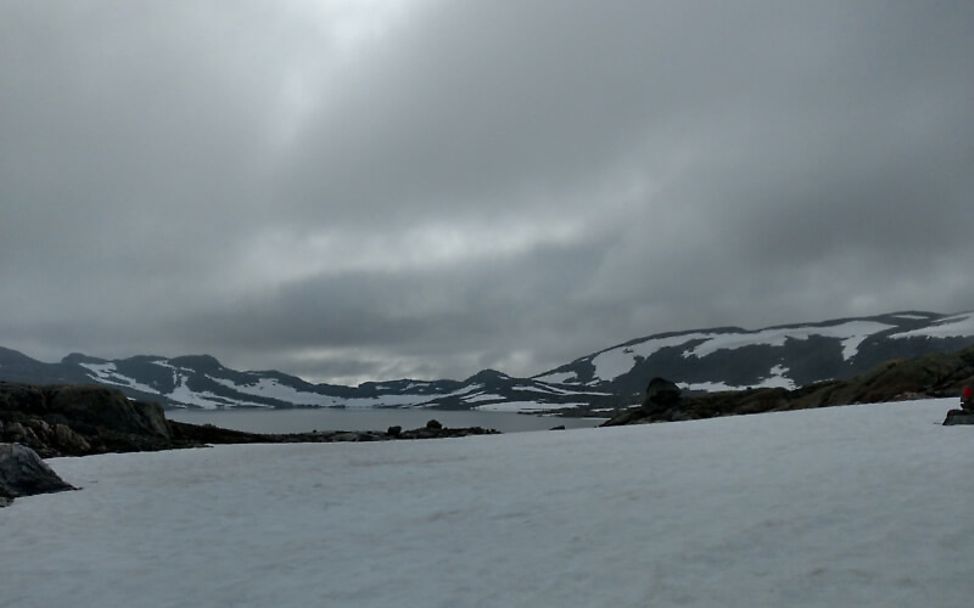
853	506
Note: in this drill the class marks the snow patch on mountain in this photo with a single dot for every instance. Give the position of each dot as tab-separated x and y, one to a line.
204	399
778	379
707	387
466	390
107	373
611	364
852	334
270	388
406	400
914	317
482	397
958	326
615	362
561	391
569	377
525	407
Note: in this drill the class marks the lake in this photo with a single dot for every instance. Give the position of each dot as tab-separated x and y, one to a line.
371	419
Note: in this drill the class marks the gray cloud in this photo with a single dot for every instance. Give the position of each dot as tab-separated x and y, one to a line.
389	188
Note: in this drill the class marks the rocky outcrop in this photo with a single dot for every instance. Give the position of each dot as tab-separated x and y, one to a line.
663	401
78	420
74	420
23	473
208	434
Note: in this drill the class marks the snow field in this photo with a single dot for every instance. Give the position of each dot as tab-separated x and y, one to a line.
853	506
958	326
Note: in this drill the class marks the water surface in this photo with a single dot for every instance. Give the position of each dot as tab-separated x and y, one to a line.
371	419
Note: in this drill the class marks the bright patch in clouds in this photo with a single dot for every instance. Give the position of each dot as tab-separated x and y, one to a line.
283	257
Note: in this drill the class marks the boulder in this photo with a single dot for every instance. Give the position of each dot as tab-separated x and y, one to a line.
663	401
434	425
959	417
661	394
23	473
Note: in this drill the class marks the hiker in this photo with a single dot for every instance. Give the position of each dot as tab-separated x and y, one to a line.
967	399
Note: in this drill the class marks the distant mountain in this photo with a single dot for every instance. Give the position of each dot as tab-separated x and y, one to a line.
704	360
785	356
201	381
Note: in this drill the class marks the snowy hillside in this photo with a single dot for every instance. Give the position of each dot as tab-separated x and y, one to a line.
849	506
201	381
701	360
785	356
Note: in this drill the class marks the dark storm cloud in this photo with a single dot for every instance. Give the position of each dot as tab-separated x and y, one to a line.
367	189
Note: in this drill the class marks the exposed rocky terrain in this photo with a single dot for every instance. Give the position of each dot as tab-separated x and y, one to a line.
23	473
77	420
936	375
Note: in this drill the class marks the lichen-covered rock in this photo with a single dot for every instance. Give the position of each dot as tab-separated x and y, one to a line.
23	473
70	442
109	409
75	420
15	431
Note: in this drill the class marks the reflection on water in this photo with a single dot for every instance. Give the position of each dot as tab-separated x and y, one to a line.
372	419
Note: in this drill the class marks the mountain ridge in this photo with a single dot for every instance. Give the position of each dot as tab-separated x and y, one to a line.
700	360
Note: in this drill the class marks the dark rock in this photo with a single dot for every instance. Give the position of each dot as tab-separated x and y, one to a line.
69	442
23	473
109	409
80	420
560	427
347	437
663	402
662	394
442	432
15	432
77	420
959	417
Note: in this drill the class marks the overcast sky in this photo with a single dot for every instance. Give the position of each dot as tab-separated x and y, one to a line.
371	189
